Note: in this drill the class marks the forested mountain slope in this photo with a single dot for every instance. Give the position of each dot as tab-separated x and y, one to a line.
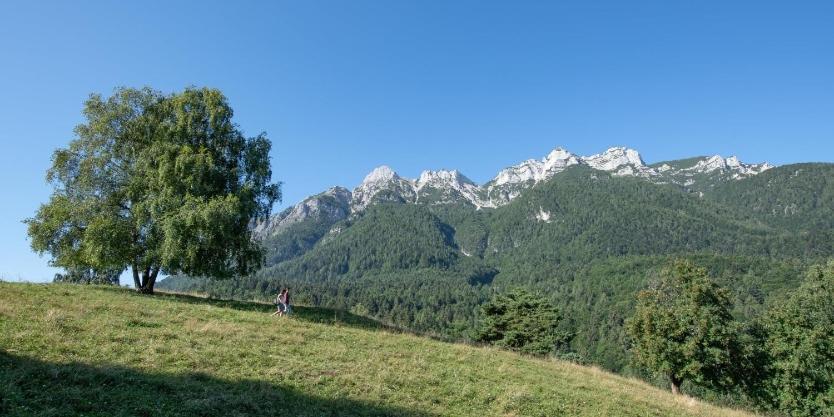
588	233
798	197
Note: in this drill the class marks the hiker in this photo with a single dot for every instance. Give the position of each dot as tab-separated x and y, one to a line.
281	302
287	302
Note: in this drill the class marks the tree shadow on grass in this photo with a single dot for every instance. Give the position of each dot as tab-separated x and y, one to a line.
309	314
30	387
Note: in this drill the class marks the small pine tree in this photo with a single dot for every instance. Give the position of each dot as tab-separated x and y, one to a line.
683	329
522	322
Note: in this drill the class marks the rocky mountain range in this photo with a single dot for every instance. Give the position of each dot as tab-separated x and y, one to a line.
451	186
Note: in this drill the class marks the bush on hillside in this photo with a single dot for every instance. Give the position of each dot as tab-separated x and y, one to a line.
522	322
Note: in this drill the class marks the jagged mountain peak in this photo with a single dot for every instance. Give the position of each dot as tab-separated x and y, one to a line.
445	186
719	163
559	153
383	178
537	170
380	174
711	163
330	206
619	160
559	158
442	176
338	192
614	158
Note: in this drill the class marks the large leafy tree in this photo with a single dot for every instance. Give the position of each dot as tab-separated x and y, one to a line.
682	329
157	183
523	322
801	347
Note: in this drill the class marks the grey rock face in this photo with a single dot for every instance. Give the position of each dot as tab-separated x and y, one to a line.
332	205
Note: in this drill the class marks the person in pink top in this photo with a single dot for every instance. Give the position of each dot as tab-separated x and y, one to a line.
287	302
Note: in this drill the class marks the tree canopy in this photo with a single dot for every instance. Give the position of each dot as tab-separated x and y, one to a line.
683	329
800	343
157	183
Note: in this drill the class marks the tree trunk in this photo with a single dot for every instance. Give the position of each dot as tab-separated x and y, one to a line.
136	283
676	385
148	280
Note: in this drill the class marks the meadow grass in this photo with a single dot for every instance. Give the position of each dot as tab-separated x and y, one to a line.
99	351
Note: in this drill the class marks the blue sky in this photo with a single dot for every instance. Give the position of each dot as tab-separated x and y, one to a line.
343	86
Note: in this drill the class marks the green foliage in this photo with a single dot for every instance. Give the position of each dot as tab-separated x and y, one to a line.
89	276
430	267
157	183
294	242
388	237
522	322
594	215
800	343
799	197
683	329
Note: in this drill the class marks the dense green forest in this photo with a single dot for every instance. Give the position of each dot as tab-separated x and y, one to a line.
429	267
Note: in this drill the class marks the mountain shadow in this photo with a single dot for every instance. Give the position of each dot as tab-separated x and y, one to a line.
30	387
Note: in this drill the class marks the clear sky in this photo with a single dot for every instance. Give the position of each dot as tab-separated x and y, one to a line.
343	86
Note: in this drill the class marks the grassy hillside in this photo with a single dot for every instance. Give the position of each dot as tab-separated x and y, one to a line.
71	350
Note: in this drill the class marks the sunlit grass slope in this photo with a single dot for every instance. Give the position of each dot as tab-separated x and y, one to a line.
75	350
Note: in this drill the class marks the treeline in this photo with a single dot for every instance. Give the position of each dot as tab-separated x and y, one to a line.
594	298
424	300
